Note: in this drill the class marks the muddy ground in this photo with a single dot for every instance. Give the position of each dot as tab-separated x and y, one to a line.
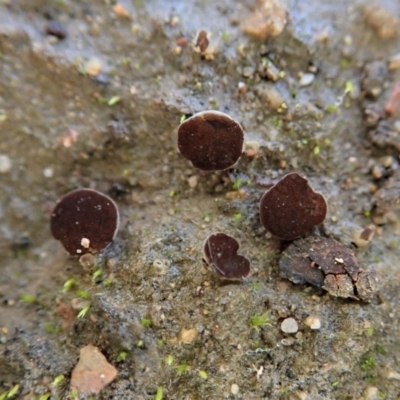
96	103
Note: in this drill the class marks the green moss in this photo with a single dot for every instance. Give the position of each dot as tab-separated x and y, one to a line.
122	356
237	217
160	393
237	184
146	322
97	274
27	298
203	374
114	100
182	369
83	312
368	362
68	285
258	321
57	380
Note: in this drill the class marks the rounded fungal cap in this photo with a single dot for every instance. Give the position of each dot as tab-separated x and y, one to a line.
84	221
291	208
211	140
220	251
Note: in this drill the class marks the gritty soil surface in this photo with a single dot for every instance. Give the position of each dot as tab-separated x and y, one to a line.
91	95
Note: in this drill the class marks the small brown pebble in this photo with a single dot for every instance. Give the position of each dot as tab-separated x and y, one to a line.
181	41
242	88
201	41
268	93
55	28
313	322
252	148
394	62
121	11
92	67
187	336
377	171
267	20
362	237
392	107
236	194
381	20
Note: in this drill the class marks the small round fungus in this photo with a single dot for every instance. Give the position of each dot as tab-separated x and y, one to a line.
291	208
220	251
84	220
211	140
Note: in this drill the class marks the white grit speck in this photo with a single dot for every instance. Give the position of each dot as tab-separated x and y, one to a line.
5	163
234	389
313	322
85	242
289	325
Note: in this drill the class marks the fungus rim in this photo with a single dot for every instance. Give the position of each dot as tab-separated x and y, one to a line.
216	164
83	243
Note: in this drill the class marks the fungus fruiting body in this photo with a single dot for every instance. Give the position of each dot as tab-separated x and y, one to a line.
220	251
84	221
291	208
211	140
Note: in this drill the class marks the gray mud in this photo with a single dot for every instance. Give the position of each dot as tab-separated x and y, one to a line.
60	131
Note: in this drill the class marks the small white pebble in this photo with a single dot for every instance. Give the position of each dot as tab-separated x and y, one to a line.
5	163
234	389
85	242
371	393
313	322
306	79
289	325
393	375
48	172
92	67
193	181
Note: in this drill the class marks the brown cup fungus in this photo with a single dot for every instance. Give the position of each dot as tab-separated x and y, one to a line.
211	140
291	208
220	251
84	221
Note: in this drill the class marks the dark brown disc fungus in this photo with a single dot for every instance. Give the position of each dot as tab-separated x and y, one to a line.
291	208
220	252
211	140
84	221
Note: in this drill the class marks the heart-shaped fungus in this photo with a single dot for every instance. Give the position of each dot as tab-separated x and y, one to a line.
291	208
84	221
220	251
211	140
